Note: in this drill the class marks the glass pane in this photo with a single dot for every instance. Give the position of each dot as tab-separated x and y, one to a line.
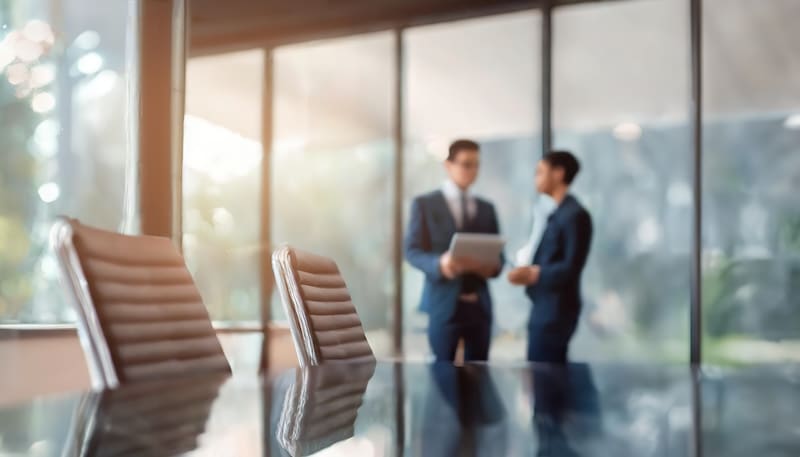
477	79
332	165
620	100
65	121
222	182
751	173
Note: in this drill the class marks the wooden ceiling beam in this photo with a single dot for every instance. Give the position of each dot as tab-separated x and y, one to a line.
251	24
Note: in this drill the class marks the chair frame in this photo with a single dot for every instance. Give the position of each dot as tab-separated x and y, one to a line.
102	371
293	304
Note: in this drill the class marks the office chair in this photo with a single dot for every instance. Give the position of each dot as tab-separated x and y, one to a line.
322	318
140	316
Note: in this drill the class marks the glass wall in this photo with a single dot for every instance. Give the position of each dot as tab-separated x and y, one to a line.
620	103
751	174
66	118
332	165
477	79
222	182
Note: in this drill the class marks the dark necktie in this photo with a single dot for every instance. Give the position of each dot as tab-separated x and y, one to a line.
464	212
470	282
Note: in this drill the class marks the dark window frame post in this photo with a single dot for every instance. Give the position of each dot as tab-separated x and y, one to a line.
547	75
398	134
696	300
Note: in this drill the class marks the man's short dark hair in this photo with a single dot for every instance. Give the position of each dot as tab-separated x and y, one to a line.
564	160
461	145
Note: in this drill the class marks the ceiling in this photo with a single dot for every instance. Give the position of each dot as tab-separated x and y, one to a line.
223	26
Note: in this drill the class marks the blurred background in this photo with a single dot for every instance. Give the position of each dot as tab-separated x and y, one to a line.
620	100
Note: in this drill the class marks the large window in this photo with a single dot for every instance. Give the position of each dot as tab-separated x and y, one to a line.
332	165
620	102
751	173
620	98
65	124
477	79
222	182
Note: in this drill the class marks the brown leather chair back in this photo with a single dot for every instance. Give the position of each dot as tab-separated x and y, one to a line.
323	320
140	314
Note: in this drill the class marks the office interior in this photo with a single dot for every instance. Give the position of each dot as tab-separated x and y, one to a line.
236	127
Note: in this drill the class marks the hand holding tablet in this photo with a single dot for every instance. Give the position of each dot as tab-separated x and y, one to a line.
480	251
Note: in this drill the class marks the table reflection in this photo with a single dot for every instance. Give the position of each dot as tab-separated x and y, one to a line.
463	414
320	407
158	419
566	409
412	409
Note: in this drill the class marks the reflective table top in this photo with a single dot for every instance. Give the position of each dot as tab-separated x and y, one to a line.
414	409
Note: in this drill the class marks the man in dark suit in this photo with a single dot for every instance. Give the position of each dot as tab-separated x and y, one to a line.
455	295
553	281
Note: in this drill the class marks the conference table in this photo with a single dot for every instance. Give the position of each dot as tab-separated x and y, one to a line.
392	408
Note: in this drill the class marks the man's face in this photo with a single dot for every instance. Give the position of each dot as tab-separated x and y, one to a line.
547	177
463	170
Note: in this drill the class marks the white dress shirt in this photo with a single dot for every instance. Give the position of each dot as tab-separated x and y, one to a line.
542	209
452	193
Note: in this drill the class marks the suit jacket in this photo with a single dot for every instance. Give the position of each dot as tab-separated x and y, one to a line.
430	229
561	255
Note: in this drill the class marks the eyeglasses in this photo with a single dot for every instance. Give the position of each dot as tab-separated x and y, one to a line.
468	164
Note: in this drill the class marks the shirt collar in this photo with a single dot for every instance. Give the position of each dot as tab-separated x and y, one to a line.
451	190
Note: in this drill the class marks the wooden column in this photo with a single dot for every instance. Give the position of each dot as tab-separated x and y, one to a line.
161	75
265	234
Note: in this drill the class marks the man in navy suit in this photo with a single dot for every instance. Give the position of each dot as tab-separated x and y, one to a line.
553	281
456	295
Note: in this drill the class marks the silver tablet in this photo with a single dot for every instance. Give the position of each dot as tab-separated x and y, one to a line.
483	247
